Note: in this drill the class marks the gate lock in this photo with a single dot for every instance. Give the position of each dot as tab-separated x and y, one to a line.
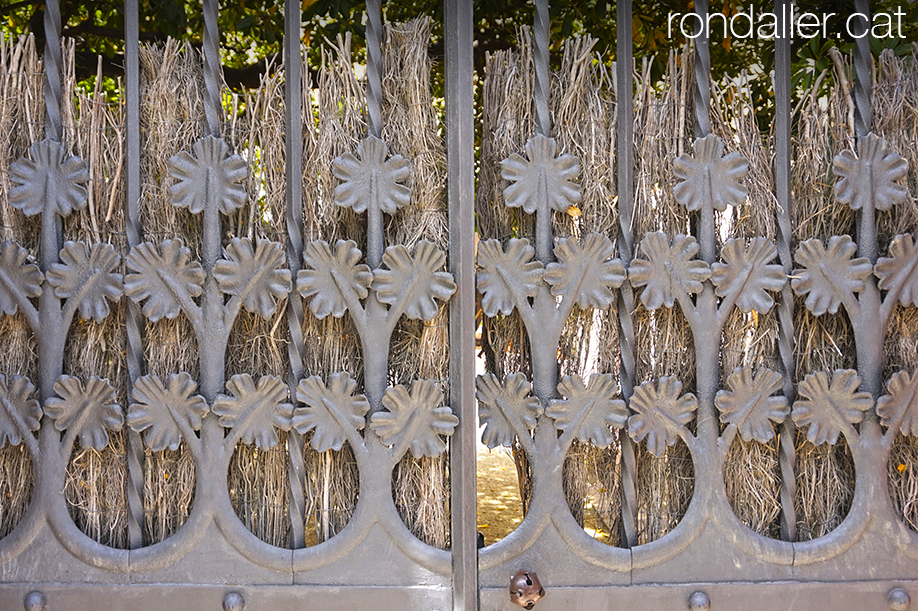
525	589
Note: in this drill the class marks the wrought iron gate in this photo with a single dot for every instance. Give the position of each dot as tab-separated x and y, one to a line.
709	560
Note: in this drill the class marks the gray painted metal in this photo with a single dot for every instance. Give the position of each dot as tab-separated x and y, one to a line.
711	558
460	142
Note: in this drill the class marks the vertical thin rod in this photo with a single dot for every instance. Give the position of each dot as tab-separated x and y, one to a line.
702	72
134	320
53	61
544	241
542	74
460	194
863	65
375	229
213	108
786	443
624	99
294	193
374	68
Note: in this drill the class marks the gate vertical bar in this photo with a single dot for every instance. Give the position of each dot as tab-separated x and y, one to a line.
133	231
460	192
544	242
786	449
702	75
375	227
624	97
294	195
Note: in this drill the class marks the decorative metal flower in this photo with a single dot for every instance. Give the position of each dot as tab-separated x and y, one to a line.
20	412
749	404
544	182
899	271
505	408
329	409
829	407
746	271
590	408
255	412
209	177
829	274
86	275
163	411
90	410
667	269
710	178
499	272
416	419
164	276
369	179
17	277
870	177
254	275
660	413
586	270
49	182
899	407
414	281
329	274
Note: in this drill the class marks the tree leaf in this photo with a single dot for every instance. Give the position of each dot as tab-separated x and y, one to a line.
208	177
594	404
543	182
17	276
90	410
256	411
499	403
829	406
660	413
900	269
255	275
746	270
49	182
499	270
369	179
87	273
416	419
586	272
159	409
871	176
709	177
328	274
20	412
900	404
414	281
667	269
328	409
828	273
749	405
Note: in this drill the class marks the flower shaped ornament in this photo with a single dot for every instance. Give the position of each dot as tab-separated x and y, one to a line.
870	177
710	178
369	179
210	176
49	181
543	182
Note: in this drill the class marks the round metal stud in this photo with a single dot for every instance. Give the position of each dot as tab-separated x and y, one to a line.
35	601
233	602
898	599
699	601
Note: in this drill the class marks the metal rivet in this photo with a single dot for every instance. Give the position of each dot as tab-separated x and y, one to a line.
898	599
699	601
35	601
233	602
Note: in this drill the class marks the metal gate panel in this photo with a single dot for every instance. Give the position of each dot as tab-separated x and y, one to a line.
710	559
